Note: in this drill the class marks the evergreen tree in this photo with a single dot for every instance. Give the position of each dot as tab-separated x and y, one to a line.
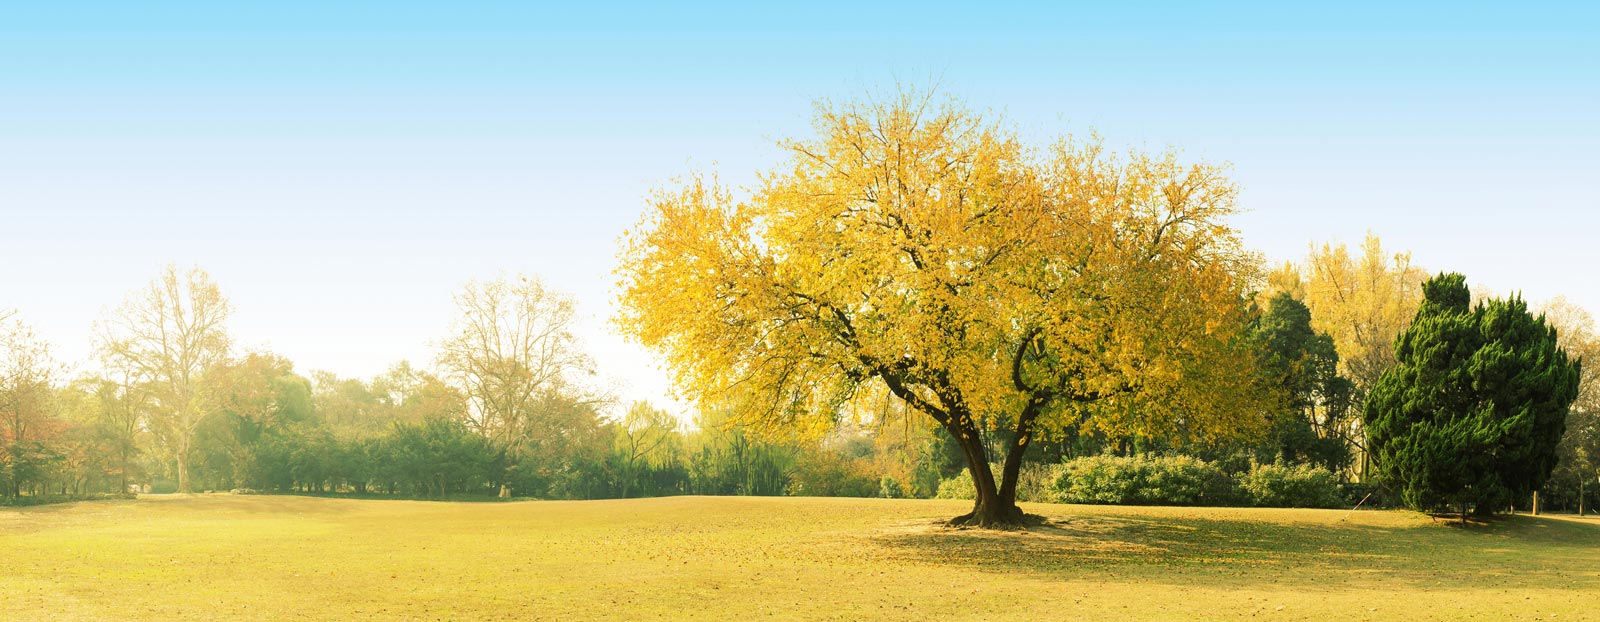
1473	410
1312	426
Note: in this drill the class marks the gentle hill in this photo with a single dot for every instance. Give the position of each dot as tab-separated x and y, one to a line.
731	558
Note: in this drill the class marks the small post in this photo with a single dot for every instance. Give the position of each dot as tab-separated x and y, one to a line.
1535	503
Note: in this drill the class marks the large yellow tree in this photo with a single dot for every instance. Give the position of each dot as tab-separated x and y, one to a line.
915	247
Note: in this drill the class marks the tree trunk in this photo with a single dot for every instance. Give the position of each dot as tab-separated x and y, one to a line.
183	472
991	509
122	469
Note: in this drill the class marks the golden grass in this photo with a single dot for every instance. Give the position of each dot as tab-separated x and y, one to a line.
221	557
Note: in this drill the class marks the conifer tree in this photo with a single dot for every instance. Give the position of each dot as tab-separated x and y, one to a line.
1472	411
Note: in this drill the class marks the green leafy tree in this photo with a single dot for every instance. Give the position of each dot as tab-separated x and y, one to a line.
257	397
1302	363
1475	405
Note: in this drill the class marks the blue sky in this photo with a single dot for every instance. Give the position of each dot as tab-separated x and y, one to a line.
342	168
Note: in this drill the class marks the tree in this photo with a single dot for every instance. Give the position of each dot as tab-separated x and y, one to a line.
513	355
28	375
988	285
1362	303
1475	405
122	409
1303	364
1579	451
644	429
512	352
169	335
258	397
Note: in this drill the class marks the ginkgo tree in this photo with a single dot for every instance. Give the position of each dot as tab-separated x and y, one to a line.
915	247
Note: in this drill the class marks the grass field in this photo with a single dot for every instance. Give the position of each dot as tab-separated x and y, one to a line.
226	557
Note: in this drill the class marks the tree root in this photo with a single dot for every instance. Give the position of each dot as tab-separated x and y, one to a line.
1014	520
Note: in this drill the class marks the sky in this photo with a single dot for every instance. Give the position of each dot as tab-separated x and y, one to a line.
343	168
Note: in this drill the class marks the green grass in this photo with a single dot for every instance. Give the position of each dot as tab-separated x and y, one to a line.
221	557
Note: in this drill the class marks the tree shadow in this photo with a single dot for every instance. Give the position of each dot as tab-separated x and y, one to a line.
1234	550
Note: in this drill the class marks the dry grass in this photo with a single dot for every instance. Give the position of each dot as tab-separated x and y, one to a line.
292	558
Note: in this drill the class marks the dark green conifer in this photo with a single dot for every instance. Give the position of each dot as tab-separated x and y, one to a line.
1471	414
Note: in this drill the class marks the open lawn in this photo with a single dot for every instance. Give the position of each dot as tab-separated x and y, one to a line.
221	557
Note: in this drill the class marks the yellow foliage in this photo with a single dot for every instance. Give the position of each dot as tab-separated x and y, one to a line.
1362	303
918	248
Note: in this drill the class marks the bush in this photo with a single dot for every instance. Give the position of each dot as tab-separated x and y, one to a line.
890	488
1036	483
958	487
1033	484
1291	486
828	474
1144	480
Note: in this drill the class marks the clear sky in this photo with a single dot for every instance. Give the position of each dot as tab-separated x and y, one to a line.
341	168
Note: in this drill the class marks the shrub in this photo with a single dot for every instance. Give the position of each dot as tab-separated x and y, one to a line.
1291	486
1036	483
829	474
1144	480
890	488
958	487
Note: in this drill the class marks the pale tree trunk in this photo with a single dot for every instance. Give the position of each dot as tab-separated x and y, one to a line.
183	472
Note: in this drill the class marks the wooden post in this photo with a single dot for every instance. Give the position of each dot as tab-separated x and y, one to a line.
1535	503
1580	497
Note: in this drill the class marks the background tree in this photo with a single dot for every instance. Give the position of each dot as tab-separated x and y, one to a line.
122	409
28	374
986	284
257	399
168	336
1303	365
513	354
1472	411
643	431
1362	303
1579	451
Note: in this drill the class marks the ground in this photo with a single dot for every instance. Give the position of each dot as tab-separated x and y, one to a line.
223	557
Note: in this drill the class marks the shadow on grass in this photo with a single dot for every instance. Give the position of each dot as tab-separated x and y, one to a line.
1235	552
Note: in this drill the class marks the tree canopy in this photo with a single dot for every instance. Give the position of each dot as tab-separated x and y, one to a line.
917	248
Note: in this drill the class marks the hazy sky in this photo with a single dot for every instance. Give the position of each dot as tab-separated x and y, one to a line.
342	171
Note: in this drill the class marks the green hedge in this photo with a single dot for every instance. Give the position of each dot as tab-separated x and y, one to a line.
1144	480
1166	480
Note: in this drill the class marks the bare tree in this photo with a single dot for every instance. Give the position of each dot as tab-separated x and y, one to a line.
512	352
167	336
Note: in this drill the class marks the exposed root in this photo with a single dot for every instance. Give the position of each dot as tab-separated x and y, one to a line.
1014	520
